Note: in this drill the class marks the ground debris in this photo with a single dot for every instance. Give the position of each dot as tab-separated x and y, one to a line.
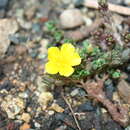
12	106
95	90
112	7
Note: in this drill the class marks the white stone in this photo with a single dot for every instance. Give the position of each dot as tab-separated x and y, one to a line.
71	18
7	27
44	99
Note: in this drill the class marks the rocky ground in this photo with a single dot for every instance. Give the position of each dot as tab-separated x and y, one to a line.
26	101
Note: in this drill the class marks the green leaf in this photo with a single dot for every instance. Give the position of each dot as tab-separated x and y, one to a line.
58	35
51	25
96	64
116	75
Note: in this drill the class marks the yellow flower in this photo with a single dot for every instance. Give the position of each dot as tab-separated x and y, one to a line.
62	60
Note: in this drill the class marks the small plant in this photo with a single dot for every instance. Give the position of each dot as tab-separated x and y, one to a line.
85	65
88	47
56	33
97	64
80	73
115	74
51	26
58	36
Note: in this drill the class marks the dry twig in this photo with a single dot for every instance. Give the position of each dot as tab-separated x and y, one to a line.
112	7
76	121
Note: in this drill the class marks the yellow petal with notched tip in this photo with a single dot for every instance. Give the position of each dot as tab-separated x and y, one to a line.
66	71
68	53
67	49
51	67
75	59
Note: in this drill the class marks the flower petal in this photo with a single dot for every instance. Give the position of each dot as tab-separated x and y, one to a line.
51	68
66	71
53	53
67	48
67	51
75	60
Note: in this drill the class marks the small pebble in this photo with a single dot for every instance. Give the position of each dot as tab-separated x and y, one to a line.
109	88
12	106
86	107
37	125
68	18
60	116
20	50
88	21
56	108
23	95
25	126
44	99
103	110
91	14
7	27
51	112
75	92
26	117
